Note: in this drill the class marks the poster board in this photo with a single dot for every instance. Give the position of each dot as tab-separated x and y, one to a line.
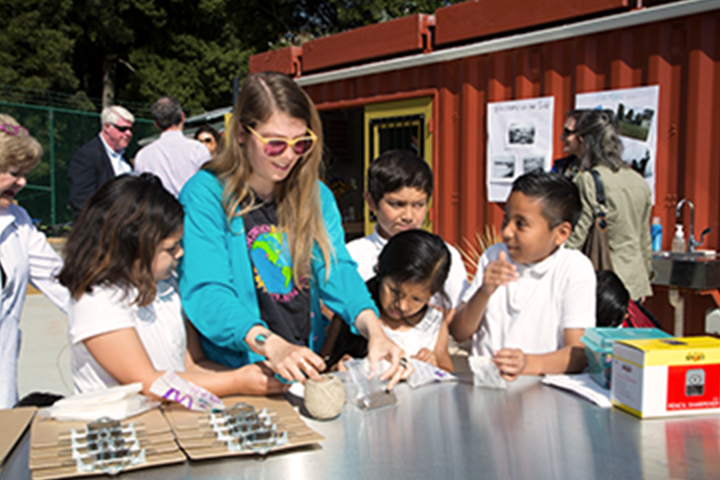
520	134
636	110
197	439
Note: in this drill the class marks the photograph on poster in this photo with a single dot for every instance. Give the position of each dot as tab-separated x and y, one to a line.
503	167
636	111
520	139
638	157
533	163
521	134
634	122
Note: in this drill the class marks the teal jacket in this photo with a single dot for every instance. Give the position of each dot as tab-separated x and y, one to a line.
216	277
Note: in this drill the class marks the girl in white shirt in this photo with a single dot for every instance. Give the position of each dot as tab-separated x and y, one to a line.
25	255
125	320
411	268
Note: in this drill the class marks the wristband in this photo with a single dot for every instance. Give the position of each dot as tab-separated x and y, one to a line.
262	338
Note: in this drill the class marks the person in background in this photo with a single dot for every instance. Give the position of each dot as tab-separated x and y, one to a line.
125	321
616	309
173	157
628	200
400	185
531	298
569	166
25	255
102	158
264	243
210	137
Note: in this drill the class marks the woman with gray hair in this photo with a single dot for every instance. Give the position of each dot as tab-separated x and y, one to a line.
628	200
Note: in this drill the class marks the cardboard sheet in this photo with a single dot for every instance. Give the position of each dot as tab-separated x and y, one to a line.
198	440
14	422
51	450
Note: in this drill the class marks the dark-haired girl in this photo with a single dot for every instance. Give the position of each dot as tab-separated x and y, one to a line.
412	268
125	319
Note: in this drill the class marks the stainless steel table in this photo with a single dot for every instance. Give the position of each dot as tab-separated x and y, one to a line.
453	430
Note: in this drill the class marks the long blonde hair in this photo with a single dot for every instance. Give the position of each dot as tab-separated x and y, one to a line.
298	196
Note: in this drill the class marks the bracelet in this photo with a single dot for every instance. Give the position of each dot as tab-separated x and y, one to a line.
262	338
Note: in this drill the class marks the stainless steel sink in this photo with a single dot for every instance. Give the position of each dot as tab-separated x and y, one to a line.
691	270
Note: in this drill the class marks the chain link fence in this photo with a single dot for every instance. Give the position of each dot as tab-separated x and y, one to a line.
62	124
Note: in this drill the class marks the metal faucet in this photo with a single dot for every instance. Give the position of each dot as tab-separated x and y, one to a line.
692	243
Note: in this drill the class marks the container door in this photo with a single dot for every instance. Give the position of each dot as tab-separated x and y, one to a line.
399	125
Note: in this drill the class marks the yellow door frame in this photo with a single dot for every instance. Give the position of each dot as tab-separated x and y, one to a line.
421	107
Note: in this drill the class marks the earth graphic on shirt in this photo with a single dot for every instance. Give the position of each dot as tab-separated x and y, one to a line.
271	259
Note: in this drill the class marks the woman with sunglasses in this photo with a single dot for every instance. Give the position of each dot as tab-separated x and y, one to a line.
569	166
210	138
264	243
627	196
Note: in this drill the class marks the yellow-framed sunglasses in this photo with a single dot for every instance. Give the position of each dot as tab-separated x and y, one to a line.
275	146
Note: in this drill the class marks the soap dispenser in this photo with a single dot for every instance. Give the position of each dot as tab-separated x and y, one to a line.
678	242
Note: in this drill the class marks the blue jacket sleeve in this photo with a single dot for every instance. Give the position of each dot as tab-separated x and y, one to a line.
343	291
216	282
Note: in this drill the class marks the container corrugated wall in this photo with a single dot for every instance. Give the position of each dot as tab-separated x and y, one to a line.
680	55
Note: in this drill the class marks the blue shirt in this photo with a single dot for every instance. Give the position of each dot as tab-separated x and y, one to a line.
216	277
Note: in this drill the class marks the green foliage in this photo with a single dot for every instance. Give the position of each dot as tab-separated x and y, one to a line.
36	44
187	48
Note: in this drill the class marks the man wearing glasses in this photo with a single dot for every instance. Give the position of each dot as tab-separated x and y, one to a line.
102	158
173	157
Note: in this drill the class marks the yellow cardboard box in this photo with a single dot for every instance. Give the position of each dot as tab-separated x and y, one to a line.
666	377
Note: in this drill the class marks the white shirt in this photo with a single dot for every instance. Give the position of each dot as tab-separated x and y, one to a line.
25	256
422	335
174	158
160	326
532	312
366	250
119	165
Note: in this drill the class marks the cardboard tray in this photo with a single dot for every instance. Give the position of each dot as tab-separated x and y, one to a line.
50	450
14	422
199	442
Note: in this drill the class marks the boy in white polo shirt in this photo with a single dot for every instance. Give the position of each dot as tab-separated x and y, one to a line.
399	188
531	298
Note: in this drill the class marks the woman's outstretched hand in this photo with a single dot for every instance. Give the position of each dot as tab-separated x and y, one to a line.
259	379
381	347
292	362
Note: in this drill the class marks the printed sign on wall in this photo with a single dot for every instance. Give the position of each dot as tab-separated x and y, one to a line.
519	141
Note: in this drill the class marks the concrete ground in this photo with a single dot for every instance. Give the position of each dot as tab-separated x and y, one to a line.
44	363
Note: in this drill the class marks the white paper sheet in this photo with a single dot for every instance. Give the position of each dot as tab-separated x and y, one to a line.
582	385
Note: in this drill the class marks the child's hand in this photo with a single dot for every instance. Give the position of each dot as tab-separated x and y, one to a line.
498	272
511	363
427	356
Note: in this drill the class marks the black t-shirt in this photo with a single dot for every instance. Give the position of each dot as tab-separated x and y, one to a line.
284	306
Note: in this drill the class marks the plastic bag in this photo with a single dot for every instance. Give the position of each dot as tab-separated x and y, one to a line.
117	403
486	373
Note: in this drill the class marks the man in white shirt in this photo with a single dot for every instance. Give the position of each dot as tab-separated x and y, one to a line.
102	158
173	157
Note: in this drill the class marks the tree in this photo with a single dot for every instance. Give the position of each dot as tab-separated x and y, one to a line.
43	59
